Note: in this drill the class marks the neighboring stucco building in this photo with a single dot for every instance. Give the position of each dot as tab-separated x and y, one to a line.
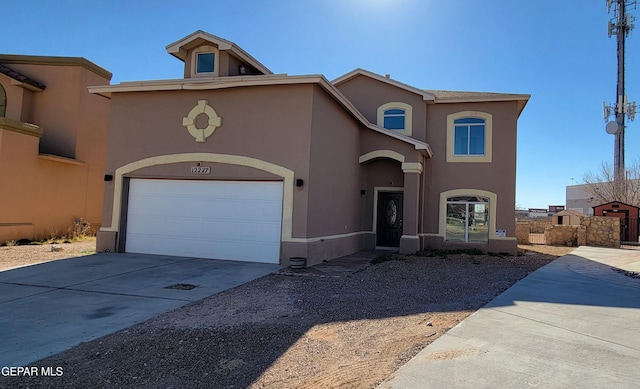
580	199
52	145
234	162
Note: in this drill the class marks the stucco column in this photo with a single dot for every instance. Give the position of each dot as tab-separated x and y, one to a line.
410	242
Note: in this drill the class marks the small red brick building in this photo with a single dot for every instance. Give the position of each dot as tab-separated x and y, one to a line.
628	215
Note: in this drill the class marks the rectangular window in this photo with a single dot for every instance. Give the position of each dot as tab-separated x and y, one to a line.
394	123
456	220
468	220
476	140
394	119
461	142
469	137
205	62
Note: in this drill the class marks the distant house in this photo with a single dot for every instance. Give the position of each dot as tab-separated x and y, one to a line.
556	208
235	162
538	212
53	135
567	218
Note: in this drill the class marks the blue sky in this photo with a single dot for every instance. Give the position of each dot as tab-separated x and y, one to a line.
556	50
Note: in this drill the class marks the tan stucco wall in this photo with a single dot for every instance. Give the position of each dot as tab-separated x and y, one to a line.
42	193
333	184
270	124
367	95
497	177
430	125
297	127
48	193
15	97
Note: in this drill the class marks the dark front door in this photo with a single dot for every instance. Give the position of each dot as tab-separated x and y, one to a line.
389	223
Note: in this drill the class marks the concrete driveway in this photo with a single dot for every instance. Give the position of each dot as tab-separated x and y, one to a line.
571	324
51	307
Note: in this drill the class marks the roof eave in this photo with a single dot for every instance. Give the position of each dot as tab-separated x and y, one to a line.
362	72
522	100
56	61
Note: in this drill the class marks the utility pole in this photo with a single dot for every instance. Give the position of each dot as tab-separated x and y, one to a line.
620	25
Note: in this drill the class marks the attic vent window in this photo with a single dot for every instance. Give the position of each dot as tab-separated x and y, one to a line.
206	62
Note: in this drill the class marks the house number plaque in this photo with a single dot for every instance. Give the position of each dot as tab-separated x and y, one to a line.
200	170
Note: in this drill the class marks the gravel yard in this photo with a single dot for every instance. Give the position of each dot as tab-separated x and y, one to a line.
17	256
294	330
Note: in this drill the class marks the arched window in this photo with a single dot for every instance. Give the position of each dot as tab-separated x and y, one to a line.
469	136
396	116
3	102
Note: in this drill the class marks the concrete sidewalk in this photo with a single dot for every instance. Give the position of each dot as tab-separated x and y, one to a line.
48	308
574	323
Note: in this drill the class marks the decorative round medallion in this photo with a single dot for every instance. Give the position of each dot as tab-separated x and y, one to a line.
391	213
201	134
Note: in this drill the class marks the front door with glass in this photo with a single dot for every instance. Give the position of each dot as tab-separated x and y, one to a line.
389	219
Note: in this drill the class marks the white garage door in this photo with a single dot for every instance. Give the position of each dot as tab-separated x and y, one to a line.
235	220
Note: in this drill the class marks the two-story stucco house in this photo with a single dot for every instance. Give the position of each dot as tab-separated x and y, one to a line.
53	135
235	162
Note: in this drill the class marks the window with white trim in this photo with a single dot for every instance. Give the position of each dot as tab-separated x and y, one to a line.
205	61
396	116
394	119
469	137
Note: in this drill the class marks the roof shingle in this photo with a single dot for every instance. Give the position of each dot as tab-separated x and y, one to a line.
20	77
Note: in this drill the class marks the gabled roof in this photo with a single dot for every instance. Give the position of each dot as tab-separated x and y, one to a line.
21	79
361	72
179	49
570	212
615	202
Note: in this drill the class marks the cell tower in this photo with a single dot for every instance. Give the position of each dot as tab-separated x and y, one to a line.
620	25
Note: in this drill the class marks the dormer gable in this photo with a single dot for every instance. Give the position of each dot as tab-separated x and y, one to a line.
206	55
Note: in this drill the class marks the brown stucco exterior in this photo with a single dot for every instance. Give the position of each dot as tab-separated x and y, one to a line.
323	141
54	174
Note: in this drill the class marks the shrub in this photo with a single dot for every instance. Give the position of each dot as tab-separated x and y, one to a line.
383	258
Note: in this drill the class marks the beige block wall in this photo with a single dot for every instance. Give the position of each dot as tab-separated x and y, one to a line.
560	235
602	231
522	232
596	231
536	225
